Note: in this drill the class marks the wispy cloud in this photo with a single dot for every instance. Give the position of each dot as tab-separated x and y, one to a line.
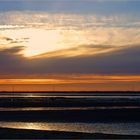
43	32
33	18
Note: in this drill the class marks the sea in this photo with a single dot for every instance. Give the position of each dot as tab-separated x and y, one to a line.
121	126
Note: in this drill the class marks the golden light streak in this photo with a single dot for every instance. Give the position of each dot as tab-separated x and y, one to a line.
75	79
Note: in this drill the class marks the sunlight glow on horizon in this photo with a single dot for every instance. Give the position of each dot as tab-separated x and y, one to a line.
73	79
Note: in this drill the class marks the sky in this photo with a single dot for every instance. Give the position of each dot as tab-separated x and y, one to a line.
69	45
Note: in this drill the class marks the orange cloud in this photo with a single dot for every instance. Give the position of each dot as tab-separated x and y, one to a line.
74	82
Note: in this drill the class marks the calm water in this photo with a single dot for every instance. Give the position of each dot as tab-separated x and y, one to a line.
108	128
64	108
132	128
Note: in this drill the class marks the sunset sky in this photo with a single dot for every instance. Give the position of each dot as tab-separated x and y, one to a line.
69	45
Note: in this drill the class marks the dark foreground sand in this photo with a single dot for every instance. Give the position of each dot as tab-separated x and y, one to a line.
6	133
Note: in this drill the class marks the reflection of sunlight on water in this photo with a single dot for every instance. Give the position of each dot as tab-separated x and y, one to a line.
111	128
71	127
64	108
36	126
30	126
76	127
26	125
30	95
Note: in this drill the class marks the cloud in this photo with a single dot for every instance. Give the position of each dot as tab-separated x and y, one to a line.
11	61
122	61
82	50
58	31
20	20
